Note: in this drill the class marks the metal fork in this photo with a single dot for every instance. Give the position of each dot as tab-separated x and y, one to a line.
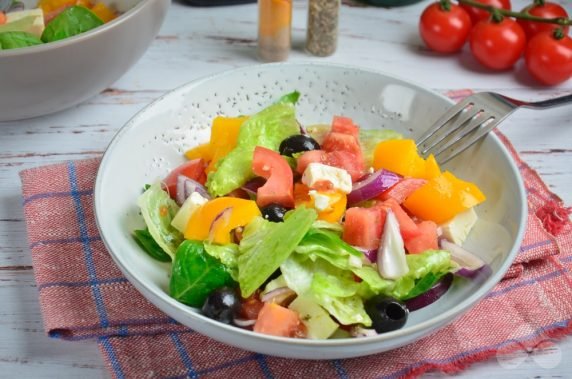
470	120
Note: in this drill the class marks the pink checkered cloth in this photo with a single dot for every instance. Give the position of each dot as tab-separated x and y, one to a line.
84	295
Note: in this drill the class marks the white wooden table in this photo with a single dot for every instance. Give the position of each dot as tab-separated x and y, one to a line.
198	41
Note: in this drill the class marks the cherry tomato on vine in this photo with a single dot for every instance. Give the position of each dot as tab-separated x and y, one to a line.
549	58
497	45
481	14
548	10
444	30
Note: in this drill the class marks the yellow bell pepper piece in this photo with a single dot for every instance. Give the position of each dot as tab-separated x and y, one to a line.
217	218
202	151
432	169
224	134
103	12
401	157
335	209
443	197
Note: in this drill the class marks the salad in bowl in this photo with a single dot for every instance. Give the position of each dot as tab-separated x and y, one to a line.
309	231
210	154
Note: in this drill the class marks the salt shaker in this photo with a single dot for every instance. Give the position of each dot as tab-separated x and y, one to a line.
274	29
322	32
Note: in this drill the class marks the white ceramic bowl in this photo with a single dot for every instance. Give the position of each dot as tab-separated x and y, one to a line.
47	78
153	142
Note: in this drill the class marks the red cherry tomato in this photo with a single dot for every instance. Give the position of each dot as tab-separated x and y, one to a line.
497	45
445	31
481	14
548	10
549	59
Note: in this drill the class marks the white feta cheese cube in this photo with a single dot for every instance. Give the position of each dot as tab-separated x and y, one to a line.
30	21
458	228
316	172
181	219
321	201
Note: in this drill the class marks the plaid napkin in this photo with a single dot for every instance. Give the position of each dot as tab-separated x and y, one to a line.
84	295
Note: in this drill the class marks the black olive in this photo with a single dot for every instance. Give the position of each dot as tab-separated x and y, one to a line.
386	313
222	304
296	144
273	212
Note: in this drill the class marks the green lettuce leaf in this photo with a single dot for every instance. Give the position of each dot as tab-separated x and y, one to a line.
329	246
331	287
432	263
148	244
195	274
158	210
267	128
227	254
72	21
265	245
16	39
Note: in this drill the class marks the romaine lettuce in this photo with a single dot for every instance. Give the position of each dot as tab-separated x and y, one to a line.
332	288
265	245
267	128
158	210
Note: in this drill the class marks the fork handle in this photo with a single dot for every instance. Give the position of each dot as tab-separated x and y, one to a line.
549	103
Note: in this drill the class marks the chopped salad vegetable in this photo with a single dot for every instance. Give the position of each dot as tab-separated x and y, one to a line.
51	20
294	235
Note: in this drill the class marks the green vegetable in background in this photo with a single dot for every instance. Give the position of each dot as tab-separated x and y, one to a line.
196	274
72	21
158	210
148	244
265	245
14	40
267	128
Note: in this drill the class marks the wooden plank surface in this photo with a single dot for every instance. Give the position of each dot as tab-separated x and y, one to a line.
195	42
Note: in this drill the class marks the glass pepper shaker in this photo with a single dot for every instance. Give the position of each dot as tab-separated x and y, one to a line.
322	32
274	29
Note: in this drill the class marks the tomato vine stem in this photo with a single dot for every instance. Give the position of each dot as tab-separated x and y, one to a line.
562	21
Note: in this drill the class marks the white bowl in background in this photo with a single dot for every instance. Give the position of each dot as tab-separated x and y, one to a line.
153	142
47	78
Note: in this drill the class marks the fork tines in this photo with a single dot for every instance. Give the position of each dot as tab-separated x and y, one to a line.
459	128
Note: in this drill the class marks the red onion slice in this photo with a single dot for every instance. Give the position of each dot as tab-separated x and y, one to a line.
432	295
372	186
470	266
252	186
224	217
370	254
186	186
279	296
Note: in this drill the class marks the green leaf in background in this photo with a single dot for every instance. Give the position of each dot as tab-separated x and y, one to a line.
196	274
148	244
14	40
72	21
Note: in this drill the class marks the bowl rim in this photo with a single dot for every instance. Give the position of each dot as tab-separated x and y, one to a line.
79	38
159	298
